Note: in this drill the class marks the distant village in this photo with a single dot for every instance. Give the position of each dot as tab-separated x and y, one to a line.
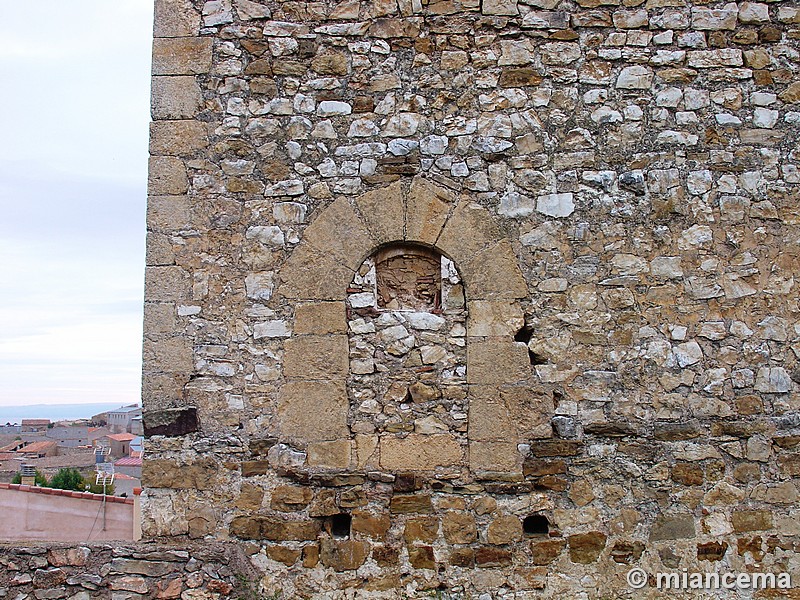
109	441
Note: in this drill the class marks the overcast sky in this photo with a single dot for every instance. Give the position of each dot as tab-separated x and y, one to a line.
73	172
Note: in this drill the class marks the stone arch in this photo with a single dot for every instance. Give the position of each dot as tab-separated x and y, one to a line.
315	280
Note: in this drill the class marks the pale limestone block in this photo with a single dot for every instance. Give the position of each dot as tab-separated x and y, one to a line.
168	213
249	11
493	274
715	18
316	357
426	211
166	283
635	77
170	355
494	318
333	454
166	176
311	274
178	138
313	410
339	232
176	97
498	456
499	7
418	452
320	318
384	212
176	18
182	56
497	361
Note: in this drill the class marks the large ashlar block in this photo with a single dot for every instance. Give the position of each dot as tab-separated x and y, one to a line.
313	410
182	56
427	208
166	176
202	474
494	318
176	97
178	138
339	231
311	274
176	18
492	274
420	452
494	361
168	213
159	319
316	357
469	230
532	410
320	318
383	210
498	456
334	454
163	390
170	355
166	284
489	417
159	250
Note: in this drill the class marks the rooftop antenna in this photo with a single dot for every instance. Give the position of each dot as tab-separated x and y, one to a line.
105	478
101	454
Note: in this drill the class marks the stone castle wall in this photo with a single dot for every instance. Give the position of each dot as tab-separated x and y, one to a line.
601	374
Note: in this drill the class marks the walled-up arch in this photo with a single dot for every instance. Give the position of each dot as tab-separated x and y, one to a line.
313	403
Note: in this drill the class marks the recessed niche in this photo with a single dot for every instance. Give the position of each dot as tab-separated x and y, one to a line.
408	278
339	525
535	525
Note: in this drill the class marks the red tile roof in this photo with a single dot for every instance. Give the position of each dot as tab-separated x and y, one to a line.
37	447
129	461
120	437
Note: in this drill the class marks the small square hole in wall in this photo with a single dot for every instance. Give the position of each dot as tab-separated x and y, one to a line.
339	525
535	525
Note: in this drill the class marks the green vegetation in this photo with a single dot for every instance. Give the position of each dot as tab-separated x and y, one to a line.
67	479
40	480
98	489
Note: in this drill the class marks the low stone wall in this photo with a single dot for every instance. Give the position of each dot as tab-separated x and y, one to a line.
211	571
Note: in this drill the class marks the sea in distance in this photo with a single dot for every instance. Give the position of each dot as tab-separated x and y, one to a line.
54	412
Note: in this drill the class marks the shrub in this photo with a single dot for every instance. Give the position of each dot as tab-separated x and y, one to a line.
40	479
68	479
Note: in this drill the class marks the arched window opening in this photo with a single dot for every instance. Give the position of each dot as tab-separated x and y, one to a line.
407	327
